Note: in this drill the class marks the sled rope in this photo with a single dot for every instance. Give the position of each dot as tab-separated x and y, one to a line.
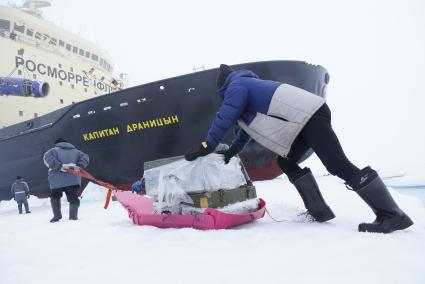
83	173
274	219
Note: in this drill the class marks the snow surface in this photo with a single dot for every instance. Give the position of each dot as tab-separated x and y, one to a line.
105	247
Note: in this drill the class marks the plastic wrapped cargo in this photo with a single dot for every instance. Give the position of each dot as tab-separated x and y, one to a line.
169	184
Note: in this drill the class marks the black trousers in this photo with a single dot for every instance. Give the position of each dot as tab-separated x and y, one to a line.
70	191
318	135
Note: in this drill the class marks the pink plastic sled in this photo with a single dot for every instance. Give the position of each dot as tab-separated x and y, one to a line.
140	211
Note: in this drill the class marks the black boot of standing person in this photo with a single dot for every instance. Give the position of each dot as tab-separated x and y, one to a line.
389	217
56	208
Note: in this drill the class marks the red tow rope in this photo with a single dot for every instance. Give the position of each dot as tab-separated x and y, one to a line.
83	173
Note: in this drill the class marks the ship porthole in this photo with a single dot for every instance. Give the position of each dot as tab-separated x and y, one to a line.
161	88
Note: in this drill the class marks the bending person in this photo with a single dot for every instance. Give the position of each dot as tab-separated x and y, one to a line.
288	121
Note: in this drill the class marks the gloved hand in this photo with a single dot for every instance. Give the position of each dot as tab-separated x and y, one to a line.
28	196
229	153
136	187
139	186
65	167
200	151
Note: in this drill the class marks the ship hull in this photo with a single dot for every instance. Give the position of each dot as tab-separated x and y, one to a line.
121	131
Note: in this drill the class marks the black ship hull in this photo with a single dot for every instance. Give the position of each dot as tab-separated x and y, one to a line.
122	130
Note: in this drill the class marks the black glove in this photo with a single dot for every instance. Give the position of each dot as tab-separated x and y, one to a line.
200	151
229	153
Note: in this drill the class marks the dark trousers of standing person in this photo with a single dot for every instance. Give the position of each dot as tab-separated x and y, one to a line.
71	193
25	202
319	135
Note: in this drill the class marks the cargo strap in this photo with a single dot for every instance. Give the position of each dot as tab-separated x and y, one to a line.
85	174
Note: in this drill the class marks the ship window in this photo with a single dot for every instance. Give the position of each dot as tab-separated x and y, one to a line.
107	108
68	46
87	54
19	28
91	112
123	104
76	116
53	41
61	43
35	114
94	57
61	100
81	52
60	83
19	72
30	32
101	62
85	90
4	25
21	113
34	76
72	86
75	49
72	69
37	35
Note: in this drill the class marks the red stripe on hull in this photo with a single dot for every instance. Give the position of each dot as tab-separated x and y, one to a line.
265	173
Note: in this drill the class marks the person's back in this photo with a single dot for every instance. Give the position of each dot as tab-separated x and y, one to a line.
20	192
64	153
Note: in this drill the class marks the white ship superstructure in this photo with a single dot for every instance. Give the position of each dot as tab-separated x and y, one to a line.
35	49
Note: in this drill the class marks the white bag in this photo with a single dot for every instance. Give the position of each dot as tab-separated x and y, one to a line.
170	183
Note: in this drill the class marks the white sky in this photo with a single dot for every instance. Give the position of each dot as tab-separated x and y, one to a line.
374	51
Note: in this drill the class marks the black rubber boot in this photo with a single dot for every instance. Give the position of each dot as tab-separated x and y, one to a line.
73	211
310	193
389	217
56	208
27	209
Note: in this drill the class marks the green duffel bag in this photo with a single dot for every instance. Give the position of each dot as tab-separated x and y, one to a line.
221	198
